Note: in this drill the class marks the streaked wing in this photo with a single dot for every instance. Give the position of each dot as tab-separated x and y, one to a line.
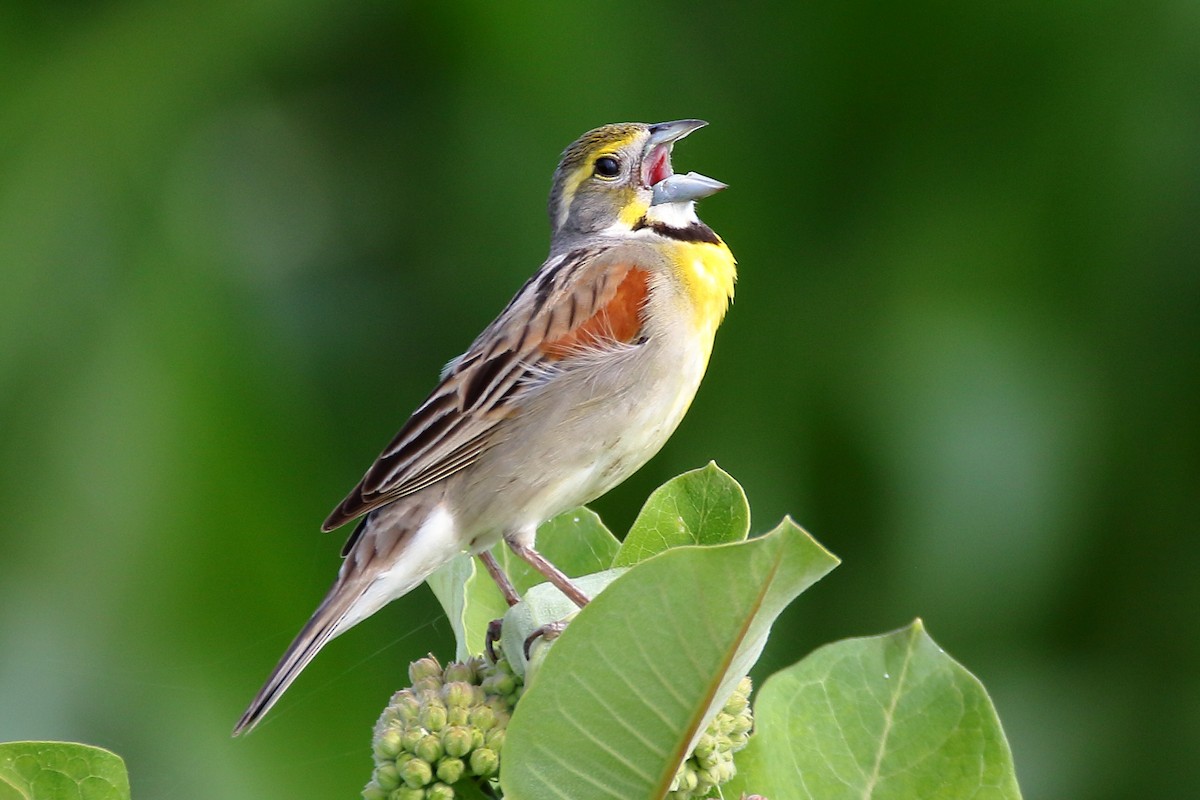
581	302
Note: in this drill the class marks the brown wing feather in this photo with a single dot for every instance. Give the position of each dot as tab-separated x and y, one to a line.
575	303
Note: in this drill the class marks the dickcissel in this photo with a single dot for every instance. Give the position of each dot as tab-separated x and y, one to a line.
580	380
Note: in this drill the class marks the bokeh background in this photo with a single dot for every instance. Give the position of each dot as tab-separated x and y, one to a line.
238	239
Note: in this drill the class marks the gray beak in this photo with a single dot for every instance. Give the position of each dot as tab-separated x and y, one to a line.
680	188
671	188
670	132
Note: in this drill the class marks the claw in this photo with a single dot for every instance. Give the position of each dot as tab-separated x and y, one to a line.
550	631
493	636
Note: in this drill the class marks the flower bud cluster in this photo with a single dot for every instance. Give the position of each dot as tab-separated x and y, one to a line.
449	725
711	762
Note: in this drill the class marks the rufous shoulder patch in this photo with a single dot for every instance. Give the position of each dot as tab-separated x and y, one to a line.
618	320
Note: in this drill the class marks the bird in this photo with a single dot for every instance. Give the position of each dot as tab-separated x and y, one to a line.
576	384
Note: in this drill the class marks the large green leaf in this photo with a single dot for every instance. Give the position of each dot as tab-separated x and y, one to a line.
619	699
576	542
60	771
887	716
704	506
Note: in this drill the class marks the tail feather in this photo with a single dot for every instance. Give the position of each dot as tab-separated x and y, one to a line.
324	625
385	561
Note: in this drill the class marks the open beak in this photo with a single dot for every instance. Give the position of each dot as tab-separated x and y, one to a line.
656	166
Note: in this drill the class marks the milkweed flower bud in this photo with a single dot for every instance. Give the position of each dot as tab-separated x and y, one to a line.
422	668
457	741
500	684
457	717
450	770
374	792
410	738
387	777
710	764
433	717
457	694
406	706
462	672
494	740
388	745
484	762
482	717
446	727
429	748
416	773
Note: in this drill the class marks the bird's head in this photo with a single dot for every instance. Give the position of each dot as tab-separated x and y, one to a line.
610	177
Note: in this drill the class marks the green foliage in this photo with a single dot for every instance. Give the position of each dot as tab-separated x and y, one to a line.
616	706
704	506
636	676
887	716
60	771
576	541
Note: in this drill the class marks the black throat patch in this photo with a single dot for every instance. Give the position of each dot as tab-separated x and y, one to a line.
695	232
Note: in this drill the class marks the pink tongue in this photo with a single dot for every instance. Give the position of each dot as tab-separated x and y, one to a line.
661	168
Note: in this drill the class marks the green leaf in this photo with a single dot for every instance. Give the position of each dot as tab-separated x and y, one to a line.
576	542
888	716
541	605
621	696
470	599
60	771
704	506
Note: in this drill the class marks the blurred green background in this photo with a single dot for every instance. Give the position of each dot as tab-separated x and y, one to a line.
239	239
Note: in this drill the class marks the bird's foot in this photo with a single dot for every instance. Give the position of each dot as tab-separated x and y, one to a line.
549	632
493	636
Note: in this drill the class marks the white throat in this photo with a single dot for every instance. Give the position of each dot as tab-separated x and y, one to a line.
674	215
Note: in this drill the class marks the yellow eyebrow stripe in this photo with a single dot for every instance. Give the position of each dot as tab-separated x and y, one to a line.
586	156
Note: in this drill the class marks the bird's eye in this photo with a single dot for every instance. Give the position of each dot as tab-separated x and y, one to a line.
608	167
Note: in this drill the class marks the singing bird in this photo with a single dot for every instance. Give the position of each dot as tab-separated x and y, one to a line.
580	380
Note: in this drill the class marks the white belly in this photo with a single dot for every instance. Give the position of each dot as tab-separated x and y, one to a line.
587	432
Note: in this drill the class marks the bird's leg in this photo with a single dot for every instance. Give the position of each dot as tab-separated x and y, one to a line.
510	596
552	573
506	587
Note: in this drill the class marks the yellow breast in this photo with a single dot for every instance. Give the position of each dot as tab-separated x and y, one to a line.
708	272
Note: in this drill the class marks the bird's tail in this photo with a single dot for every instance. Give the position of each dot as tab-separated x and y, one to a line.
327	622
382	563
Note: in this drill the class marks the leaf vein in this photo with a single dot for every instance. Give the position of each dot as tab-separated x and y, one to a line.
615	714
888	719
